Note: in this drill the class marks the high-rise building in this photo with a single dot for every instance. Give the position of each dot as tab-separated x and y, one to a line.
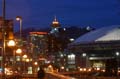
57	44
55	23
38	47
38	41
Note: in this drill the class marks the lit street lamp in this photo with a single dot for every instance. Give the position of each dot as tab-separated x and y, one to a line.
84	54
117	53
18	51
19	18
25	56
35	63
11	43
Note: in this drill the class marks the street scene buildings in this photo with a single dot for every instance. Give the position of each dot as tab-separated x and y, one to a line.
93	49
69	48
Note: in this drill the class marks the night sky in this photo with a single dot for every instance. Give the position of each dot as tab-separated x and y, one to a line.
40	13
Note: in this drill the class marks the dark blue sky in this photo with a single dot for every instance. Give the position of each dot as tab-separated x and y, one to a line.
40	13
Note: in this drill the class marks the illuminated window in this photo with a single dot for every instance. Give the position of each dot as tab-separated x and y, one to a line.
71	59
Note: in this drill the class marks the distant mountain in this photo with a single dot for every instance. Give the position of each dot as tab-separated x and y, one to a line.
71	32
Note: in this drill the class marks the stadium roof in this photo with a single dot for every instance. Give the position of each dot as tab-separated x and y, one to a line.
105	34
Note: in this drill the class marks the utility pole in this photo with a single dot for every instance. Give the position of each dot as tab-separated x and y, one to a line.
3	38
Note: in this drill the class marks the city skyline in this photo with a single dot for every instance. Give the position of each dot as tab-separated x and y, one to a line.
40	14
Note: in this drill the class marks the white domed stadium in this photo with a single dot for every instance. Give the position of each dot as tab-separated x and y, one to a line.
105	34
99	46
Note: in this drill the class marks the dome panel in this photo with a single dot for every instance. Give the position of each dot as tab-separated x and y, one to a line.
111	33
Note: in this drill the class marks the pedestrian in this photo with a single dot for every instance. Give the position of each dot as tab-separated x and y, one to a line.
41	73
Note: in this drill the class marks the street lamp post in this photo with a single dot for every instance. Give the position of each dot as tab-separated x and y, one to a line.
24	57
19	18
11	43
19	51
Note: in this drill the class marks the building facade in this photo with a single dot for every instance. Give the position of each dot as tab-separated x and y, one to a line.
38	48
98	49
